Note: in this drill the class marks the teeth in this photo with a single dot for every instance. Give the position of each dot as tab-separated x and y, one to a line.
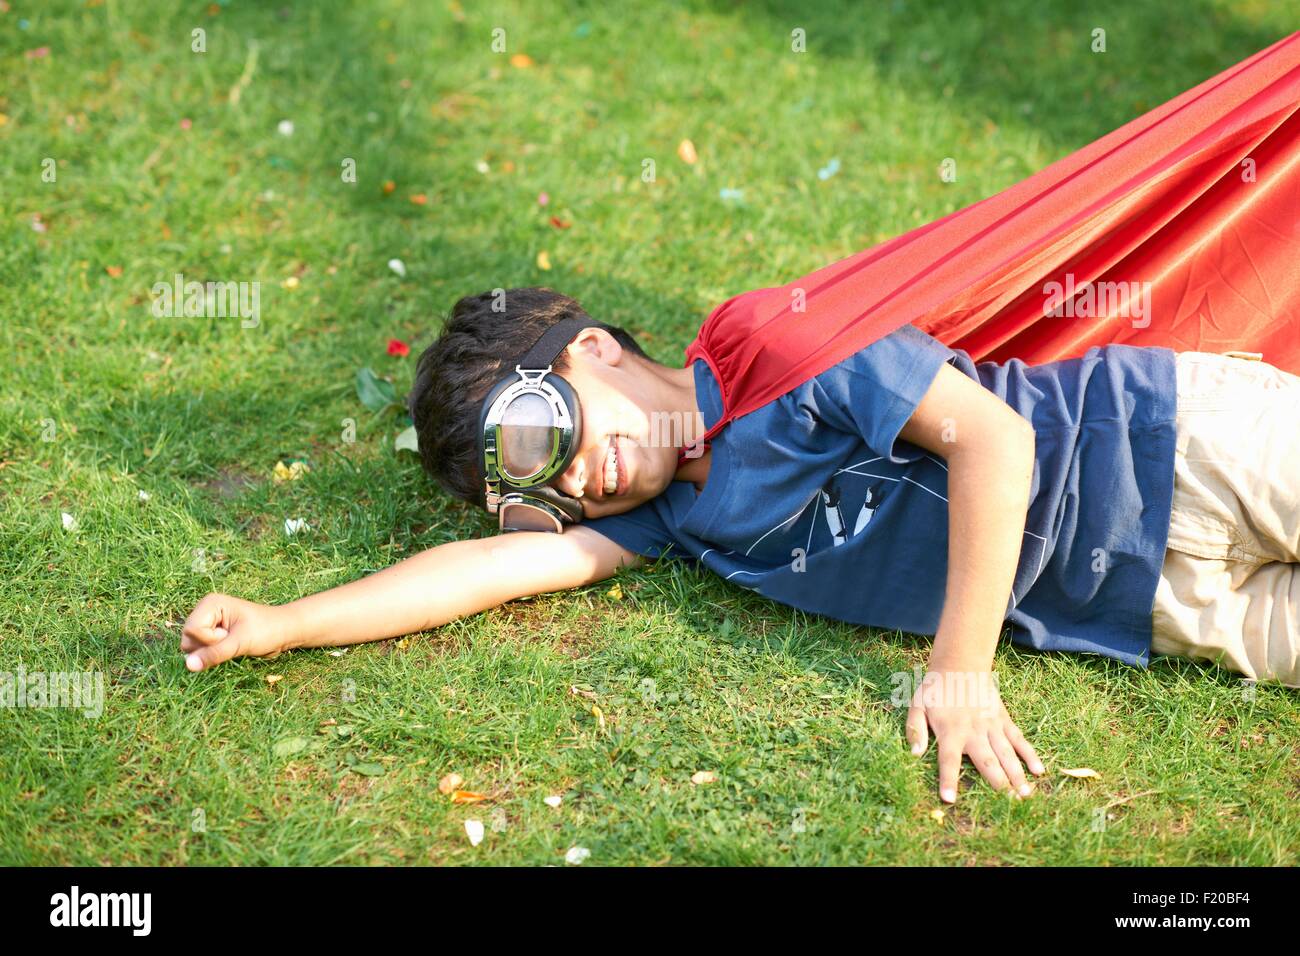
611	469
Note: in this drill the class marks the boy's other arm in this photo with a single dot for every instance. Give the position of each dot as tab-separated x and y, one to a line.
426	590
989	449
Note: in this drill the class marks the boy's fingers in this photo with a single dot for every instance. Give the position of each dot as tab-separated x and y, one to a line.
918	736
1010	764
206	624
201	637
1025	749
211	655
949	769
987	763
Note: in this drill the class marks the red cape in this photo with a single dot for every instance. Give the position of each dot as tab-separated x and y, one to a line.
1197	201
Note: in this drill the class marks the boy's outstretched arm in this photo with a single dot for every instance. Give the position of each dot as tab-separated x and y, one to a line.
989	450
426	590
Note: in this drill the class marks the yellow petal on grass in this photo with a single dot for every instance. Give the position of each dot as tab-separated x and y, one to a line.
467	796
544	261
937	815
272	679
599	715
450	783
616	592
1082	773
290	472
701	777
686	152
521	60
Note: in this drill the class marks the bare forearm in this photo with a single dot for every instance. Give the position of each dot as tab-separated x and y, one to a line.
421	592
988	496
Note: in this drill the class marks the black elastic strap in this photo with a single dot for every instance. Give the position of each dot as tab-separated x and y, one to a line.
553	341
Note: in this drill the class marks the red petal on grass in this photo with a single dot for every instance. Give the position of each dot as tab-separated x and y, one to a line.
398	347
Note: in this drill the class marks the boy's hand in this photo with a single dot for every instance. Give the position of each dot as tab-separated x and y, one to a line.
221	627
968	718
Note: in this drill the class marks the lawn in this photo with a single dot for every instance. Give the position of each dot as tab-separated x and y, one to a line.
158	436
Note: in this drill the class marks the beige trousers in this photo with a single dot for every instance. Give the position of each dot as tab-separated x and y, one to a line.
1230	587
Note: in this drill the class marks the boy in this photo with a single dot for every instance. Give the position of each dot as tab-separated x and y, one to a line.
1126	502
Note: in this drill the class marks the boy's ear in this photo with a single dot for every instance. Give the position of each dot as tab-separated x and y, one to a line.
595	344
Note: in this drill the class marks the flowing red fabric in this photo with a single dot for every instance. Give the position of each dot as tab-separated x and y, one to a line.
1179	229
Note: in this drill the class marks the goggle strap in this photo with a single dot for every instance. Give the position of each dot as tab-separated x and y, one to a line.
553	341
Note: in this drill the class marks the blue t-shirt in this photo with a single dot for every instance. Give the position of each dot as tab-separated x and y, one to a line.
814	501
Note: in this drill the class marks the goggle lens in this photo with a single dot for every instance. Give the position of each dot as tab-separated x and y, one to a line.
528	436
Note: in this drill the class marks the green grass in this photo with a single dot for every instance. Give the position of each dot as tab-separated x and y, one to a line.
790	711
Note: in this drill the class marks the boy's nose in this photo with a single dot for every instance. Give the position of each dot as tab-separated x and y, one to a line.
573	480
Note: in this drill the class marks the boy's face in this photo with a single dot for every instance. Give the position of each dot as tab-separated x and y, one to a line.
620	393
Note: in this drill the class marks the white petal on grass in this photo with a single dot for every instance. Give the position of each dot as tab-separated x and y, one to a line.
285	127
554	800
577	855
293	526
474	830
69	522
398	266
145	496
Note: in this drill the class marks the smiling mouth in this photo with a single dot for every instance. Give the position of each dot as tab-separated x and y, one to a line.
615	475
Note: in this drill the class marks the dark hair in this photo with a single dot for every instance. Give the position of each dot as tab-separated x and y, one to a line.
482	339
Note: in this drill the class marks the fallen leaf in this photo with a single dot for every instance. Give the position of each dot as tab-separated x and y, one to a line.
374	392
701	777
288	746
467	796
450	783
686	152
407	440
